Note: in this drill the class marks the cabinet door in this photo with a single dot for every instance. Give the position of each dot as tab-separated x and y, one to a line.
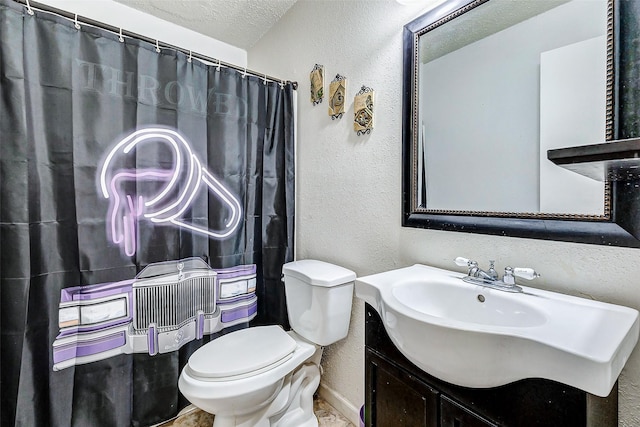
455	415
395	398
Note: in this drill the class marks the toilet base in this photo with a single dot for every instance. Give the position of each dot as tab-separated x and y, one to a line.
292	407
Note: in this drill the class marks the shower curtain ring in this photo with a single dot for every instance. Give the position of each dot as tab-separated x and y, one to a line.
281	84
264	81
75	22
157	46
190	58
245	73
120	36
218	67
29	10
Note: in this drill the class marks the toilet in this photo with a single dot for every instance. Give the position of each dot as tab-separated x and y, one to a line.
263	376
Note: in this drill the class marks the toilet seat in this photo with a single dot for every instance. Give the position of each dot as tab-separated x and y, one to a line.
241	354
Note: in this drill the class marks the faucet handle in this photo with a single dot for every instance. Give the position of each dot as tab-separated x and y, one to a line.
463	262
525	273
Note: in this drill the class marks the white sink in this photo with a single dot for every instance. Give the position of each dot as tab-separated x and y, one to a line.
455	301
480	337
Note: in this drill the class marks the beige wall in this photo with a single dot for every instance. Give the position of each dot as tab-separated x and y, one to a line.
349	201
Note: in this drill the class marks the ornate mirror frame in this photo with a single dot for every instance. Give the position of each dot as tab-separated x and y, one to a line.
608	229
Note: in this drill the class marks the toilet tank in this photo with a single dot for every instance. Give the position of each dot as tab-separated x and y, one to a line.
319	298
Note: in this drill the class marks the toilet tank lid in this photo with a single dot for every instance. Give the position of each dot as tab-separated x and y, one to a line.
318	273
242	352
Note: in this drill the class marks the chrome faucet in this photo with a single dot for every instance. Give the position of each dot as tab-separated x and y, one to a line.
490	278
475	271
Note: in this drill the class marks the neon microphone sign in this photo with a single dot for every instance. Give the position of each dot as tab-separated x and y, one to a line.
176	188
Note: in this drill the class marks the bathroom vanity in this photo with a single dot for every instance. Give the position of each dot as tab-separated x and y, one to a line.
398	393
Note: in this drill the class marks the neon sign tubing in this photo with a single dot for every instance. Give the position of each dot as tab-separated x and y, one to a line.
196	175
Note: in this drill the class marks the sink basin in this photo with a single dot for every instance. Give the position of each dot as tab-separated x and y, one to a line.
454	301
475	336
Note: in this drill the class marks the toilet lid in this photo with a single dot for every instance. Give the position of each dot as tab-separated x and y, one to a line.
241	352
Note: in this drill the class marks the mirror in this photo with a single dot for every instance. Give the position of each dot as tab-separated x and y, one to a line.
497	87
489	87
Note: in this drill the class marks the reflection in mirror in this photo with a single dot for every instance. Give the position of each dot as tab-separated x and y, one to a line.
496	88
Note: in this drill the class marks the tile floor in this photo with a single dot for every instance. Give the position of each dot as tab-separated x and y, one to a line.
326	414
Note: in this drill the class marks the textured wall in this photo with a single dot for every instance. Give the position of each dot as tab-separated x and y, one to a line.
349	201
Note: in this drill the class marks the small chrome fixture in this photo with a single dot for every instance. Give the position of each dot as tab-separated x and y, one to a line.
492	271
180	272
490	278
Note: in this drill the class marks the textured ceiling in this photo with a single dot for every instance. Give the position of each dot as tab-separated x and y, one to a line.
481	22
240	23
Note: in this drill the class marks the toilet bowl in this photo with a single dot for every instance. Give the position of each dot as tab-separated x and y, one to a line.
247	393
263	376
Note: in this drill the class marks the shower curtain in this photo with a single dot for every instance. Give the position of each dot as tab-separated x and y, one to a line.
68	98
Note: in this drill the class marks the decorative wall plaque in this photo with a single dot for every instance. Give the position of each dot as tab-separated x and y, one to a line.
363	111
317	84
337	94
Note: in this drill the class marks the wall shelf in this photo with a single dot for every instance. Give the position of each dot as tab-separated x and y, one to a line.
610	161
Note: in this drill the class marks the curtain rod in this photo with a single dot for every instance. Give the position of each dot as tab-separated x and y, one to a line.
29	5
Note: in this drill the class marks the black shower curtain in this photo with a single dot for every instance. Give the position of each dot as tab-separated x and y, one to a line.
67	96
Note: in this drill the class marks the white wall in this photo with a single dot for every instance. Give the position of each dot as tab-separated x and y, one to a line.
349	187
572	77
121	16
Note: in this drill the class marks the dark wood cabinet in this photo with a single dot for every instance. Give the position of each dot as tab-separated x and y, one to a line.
452	414
398	394
397	398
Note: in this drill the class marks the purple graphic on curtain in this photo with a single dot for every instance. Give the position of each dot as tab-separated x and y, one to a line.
167	305
175	188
